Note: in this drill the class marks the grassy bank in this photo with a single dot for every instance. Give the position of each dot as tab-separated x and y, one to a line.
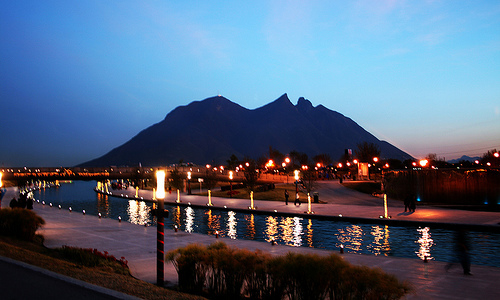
108	275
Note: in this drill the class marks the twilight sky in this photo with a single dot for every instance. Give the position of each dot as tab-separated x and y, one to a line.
79	78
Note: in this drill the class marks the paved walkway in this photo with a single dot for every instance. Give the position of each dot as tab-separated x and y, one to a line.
138	243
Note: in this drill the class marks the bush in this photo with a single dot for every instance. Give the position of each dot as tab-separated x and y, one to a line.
20	223
190	263
93	258
221	272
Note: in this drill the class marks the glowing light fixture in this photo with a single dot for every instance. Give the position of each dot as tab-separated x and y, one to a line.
160	184
251	200
423	162
210	198
385	206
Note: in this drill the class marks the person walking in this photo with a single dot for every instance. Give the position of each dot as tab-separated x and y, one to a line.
297	200
286	197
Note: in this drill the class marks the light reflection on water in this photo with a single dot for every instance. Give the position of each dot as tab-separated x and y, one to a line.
138	212
292	231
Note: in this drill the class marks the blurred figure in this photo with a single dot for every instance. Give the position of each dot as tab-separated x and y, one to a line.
462	251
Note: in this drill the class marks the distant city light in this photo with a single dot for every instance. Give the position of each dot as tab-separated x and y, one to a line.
423	162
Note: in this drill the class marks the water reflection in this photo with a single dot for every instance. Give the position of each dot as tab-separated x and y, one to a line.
271	232
189	219
380	244
176	216
309	234
351	237
138	212
425	242
250	221
213	221
231	225
103	204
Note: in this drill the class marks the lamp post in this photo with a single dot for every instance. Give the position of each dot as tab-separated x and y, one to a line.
160	245
189	182
231	184
296	172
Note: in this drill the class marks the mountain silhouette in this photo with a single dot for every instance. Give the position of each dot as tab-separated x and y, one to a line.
211	130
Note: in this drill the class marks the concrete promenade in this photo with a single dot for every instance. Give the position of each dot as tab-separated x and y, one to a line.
138	243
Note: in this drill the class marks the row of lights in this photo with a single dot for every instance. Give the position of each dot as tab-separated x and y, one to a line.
70	209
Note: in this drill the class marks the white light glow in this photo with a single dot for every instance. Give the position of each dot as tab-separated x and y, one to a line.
160	184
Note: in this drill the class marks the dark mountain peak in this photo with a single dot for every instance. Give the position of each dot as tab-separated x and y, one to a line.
283	103
304	105
212	129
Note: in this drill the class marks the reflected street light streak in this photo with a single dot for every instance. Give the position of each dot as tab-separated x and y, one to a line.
297	231
271	231
213	221
425	242
138	212
189	219
309	235
250	226
231	225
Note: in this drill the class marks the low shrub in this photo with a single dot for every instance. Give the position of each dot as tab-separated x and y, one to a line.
88	257
19	223
221	272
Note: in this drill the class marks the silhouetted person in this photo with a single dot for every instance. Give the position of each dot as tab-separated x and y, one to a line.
22	200
286	197
296	199
13	203
413	204
407	202
29	204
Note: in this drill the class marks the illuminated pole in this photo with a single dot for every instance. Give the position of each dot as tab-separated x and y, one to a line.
251	200
309	205
231	183
137	191
209	198
296	172
160	245
385	206
386	215
189	182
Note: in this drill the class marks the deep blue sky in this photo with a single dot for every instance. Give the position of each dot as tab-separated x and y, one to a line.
78	78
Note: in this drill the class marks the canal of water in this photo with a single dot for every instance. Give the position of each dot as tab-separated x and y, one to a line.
372	239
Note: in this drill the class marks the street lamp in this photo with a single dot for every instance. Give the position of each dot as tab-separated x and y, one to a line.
189	182
160	253
296	173
231	184
423	162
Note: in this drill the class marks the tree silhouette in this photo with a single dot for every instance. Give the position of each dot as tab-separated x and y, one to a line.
177	181
367	151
